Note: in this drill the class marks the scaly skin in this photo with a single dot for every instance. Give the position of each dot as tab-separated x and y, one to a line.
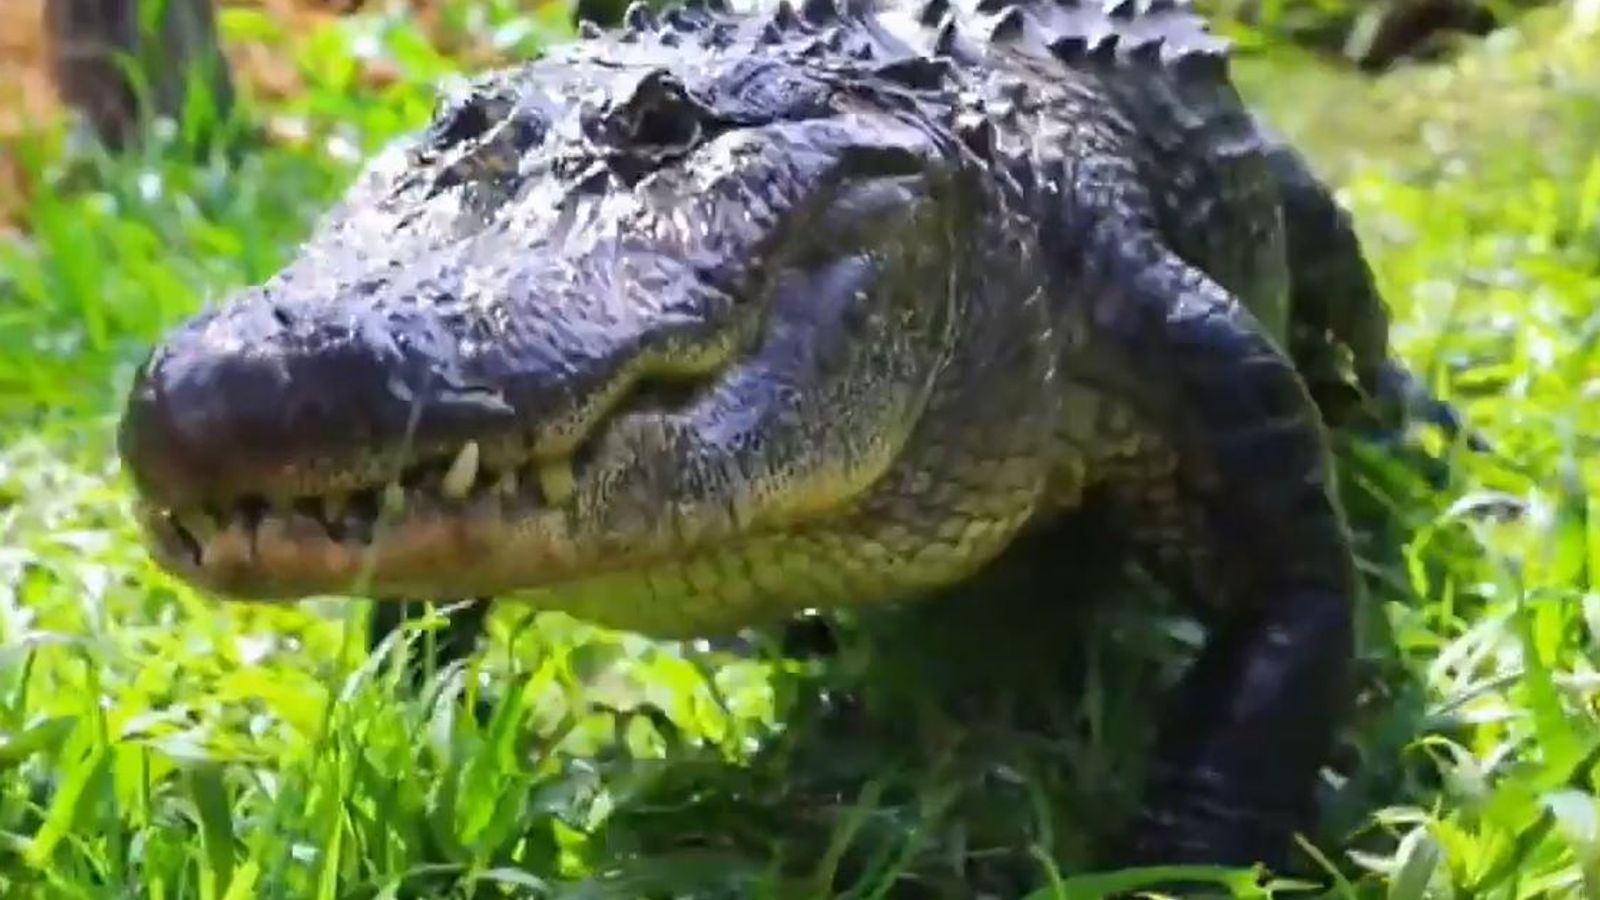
688	327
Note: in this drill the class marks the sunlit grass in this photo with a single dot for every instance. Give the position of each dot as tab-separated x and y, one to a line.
153	744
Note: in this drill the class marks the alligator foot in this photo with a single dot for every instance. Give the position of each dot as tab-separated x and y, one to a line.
1237	758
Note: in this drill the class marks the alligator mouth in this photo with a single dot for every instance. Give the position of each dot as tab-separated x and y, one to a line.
439	511
457	524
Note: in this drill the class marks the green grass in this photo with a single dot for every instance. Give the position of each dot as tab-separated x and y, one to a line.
155	744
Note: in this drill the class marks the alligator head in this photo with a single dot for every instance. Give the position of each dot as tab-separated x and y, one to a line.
640	337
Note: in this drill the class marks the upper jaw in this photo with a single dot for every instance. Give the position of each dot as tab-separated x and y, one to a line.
433	520
283	394
295	511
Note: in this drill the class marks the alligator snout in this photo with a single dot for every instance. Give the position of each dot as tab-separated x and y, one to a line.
274	442
276	400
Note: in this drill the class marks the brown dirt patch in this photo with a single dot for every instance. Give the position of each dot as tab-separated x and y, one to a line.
28	99
26	93
25	90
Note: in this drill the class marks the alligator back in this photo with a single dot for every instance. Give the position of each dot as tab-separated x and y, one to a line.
1158	79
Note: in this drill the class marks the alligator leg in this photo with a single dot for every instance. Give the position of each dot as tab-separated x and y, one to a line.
1234	502
1334	295
439	649
1337	304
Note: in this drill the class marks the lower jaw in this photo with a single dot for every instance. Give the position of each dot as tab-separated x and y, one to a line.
532	560
292	557
711	591
654	599
664	590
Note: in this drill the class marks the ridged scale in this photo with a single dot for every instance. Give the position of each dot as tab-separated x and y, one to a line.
1155	62
1153	81
1149	35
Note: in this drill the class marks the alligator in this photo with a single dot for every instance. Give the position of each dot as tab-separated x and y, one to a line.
720	315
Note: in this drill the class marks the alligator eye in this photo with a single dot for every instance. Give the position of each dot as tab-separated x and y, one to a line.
660	114
670	127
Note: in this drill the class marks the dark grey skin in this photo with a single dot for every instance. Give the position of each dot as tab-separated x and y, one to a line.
690	326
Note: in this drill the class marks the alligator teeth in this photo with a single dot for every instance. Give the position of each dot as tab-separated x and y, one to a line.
394	499
200	525
556	480
507	485
462	473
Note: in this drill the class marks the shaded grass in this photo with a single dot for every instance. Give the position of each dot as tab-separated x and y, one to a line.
153	744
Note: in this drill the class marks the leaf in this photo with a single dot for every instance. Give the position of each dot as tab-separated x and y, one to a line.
1242	883
1578	821
1416	860
216	824
78	791
44	735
